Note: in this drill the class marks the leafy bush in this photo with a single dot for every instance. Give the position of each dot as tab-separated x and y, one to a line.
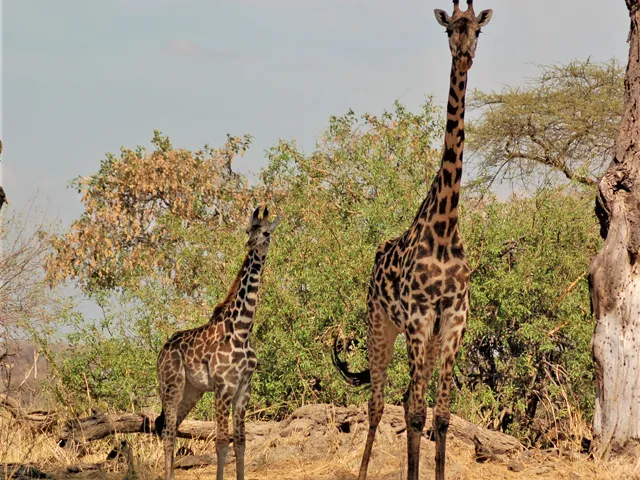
530	324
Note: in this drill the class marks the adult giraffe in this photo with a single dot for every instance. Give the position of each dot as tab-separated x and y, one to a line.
420	280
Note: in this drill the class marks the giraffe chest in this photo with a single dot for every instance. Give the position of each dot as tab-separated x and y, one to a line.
412	276
224	364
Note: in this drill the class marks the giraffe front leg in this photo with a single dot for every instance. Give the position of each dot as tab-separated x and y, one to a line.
431	356
414	411
418	332
223	404
454	324
239	410
382	336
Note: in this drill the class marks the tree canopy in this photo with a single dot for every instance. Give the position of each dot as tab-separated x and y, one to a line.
563	122
137	210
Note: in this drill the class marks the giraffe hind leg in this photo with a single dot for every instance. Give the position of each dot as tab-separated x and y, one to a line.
431	356
171	396
190	398
382	335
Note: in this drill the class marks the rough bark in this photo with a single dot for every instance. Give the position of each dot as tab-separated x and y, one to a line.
102	425
185	463
614	275
496	442
309	417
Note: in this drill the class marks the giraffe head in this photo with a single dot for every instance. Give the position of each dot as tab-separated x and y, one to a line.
463	29
260	230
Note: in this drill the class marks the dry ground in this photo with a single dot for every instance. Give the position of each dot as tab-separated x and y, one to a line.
305	451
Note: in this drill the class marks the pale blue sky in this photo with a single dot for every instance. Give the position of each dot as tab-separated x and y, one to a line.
81	78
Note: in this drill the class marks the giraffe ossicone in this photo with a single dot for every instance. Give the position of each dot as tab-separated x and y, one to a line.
217	357
420	280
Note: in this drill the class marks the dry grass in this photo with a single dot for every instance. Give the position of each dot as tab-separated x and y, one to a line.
328	455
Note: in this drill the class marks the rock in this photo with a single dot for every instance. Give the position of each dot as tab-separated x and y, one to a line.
483	453
515	465
302	425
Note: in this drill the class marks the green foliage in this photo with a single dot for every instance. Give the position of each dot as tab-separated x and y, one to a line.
527	347
562	124
361	185
530	322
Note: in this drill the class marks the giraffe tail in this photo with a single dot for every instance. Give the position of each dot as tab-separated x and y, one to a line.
160	423
357	379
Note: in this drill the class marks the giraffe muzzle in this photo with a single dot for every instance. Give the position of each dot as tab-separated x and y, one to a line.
465	61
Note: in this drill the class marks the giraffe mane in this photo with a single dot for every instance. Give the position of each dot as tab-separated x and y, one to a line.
220	307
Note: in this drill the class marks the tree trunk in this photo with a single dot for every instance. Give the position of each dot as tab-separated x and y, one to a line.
614	275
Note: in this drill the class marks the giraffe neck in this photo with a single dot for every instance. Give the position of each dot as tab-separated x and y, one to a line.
239	306
450	174
441	204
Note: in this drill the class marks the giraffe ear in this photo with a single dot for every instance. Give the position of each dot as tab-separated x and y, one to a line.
442	17
484	17
254	218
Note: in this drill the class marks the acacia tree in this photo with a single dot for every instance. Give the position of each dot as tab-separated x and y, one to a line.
563	123
615	274
137	208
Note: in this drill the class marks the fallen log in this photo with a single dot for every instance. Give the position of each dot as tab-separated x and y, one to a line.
184	463
102	425
87	467
194	461
345	419
43	420
309	417
20	471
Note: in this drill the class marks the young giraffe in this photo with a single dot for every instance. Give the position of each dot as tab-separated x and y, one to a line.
216	357
419	285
